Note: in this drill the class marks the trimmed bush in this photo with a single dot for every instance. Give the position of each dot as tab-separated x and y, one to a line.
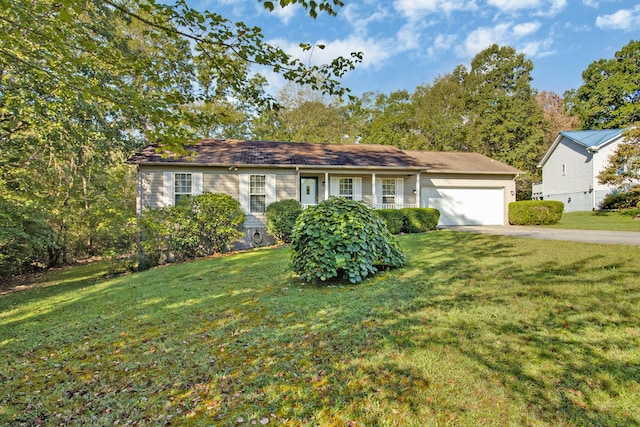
393	218
341	238
419	220
621	200
535	212
281	218
196	226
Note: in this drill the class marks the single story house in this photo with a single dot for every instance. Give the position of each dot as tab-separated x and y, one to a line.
571	166
467	188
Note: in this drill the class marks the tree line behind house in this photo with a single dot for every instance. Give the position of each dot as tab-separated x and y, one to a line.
82	88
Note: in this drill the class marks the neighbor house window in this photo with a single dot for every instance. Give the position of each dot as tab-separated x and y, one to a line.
389	191
346	188
182	186
257	193
564	169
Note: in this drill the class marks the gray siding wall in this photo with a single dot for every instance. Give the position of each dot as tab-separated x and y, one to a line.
579	169
578	188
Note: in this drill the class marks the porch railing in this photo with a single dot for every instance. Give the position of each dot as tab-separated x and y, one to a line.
379	205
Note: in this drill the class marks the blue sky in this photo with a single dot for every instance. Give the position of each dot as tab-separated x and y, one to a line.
407	43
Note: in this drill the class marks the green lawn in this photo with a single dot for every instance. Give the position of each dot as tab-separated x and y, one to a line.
474	330
616	221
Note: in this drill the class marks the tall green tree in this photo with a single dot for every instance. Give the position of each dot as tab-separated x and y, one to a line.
504	122
305	115
85	82
440	113
391	120
610	94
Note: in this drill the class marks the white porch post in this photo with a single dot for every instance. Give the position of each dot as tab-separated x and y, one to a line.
298	184
418	190
326	185
373	191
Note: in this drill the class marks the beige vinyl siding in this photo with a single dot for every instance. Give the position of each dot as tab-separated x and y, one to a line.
410	182
224	182
150	189
367	189
286	186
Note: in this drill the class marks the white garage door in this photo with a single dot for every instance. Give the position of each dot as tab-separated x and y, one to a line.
466	206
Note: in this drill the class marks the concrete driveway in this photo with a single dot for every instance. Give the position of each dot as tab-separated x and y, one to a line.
586	236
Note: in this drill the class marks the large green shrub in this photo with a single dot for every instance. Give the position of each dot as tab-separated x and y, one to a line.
621	200
419	220
281	218
535	212
196	226
155	232
393	218
342	238
25	239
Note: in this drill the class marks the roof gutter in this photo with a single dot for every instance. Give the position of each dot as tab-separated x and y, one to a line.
272	166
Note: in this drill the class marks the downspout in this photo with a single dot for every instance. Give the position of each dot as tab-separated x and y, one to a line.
298	190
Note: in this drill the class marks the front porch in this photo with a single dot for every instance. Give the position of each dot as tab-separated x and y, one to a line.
389	190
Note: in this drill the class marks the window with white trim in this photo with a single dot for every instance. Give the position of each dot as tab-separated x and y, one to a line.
179	185
182	186
257	193
389	191
346	188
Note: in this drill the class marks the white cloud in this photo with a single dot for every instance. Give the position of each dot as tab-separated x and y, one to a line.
284	13
360	21
624	19
540	7
482	38
506	34
376	52
591	3
521	30
441	43
412	8
537	49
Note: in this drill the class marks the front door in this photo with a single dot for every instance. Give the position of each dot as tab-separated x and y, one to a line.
308	191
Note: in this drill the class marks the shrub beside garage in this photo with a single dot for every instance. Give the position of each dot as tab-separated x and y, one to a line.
535	212
409	220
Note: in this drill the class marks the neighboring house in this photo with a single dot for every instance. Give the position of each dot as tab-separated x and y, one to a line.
571	166
467	188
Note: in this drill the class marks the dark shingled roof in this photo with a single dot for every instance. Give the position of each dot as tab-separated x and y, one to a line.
229	152
270	153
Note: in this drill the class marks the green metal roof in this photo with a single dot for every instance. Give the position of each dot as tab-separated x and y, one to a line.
590	138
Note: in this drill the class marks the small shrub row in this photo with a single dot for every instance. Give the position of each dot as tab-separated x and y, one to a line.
342	239
621	200
409	220
535	212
